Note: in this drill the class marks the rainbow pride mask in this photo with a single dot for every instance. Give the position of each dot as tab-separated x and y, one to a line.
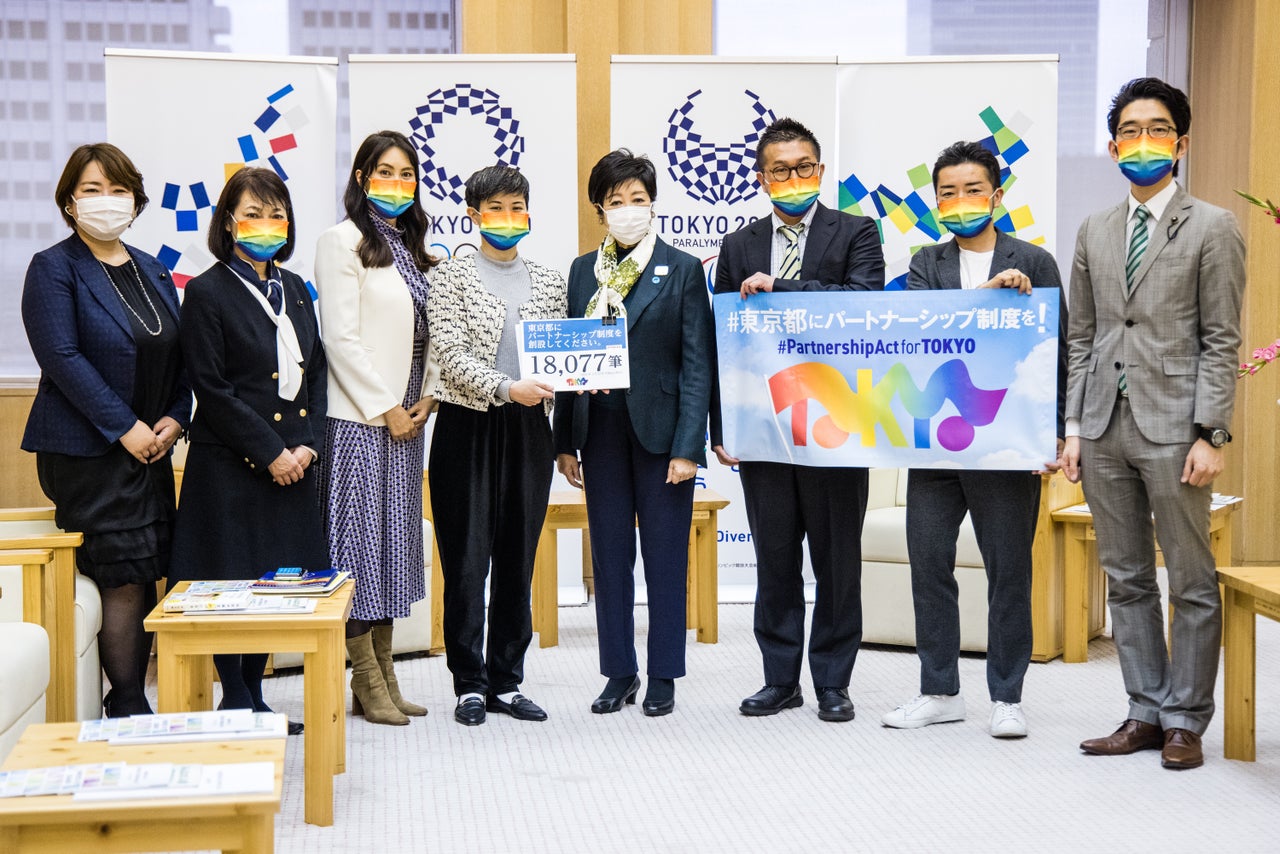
965	216
391	196
503	229
796	195
1144	160
261	239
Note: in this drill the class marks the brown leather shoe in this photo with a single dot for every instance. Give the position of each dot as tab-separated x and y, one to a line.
1130	738
1181	750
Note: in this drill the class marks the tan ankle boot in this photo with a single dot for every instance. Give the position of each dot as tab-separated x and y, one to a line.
368	690
382	651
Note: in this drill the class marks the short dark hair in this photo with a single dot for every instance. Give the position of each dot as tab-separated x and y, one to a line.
617	168
1153	88
267	187
968	152
372	249
115	165
785	130
495	181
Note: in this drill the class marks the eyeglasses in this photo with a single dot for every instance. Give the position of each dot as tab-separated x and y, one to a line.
804	170
1155	132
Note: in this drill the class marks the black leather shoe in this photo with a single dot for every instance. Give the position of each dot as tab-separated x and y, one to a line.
834	704
295	728
521	708
658	708
605	704
772	699
469	712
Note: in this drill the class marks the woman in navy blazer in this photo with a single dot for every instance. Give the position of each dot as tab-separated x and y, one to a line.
252	348
102	320
640	447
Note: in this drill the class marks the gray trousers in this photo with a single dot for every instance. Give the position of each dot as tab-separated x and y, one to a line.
1003	507
1126	479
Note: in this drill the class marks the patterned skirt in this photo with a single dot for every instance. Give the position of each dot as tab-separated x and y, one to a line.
373	494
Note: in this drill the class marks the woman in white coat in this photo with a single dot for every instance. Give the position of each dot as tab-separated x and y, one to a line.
371	274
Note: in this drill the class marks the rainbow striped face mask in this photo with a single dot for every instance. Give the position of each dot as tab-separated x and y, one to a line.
391	196
503	229
1144	160
965	216
261	239
795	195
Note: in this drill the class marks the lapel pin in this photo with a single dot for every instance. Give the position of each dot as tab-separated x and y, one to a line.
656	279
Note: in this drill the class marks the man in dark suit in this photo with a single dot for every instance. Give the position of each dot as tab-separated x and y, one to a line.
1156	288
1002	504
801	246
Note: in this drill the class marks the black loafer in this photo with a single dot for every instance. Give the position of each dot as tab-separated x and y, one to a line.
772	699
295	728
834	704
469	712
521	708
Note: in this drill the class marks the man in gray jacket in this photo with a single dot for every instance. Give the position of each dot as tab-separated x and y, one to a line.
1002	504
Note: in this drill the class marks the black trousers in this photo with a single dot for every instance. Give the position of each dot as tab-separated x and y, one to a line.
785	504
626	488
490	475
1003	506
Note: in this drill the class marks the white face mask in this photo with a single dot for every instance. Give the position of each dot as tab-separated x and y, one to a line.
629	224
104	217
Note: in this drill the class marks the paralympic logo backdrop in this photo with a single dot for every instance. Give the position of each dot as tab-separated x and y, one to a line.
921	379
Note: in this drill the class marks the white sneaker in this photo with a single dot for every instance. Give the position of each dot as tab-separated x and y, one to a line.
926	709
1007	720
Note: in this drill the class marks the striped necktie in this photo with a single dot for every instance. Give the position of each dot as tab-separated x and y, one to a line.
790	266
1137	246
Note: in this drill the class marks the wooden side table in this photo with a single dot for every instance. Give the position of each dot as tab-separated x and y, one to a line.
567	509
1085	584
1247	592
58	824
48	595
185	645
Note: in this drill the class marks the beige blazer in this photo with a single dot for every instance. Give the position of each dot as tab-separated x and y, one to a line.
366	322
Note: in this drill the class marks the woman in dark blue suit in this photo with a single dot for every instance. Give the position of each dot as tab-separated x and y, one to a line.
641	447
252	348
102	319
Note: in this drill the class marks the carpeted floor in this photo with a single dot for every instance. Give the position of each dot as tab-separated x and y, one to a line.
707	779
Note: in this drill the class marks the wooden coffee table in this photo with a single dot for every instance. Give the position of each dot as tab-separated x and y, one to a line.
185	646
58	824
48	594
1248	591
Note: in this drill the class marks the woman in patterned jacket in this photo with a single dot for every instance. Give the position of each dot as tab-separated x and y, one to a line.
491	452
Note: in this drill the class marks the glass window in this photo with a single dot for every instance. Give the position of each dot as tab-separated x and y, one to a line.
393	20
75	71
364	20
39	71
17	29
75	111
21	150
309	18
93	31
137	32
159	33
97	112
181	34
71	31
40	111
96	71
19	110
39	30
115	32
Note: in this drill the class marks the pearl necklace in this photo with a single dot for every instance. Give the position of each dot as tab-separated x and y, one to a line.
145	295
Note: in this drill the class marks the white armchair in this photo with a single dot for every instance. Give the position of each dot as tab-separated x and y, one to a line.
24	676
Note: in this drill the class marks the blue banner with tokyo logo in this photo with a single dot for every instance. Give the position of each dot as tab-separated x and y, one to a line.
575	354
891	379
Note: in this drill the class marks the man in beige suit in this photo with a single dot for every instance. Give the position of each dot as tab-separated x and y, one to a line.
1156	287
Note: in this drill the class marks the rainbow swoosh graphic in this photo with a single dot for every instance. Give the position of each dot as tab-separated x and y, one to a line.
504	228
261	238
1145	160
860	411
794	196
965	215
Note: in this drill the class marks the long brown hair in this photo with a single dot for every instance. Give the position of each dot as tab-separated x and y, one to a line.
373	251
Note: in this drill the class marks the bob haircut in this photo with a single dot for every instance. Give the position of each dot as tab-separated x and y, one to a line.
266	186
617	168
113	162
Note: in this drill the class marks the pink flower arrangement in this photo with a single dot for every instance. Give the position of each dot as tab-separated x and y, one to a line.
1269	206
1261	356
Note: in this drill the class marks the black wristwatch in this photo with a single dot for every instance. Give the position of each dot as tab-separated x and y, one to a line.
1215	436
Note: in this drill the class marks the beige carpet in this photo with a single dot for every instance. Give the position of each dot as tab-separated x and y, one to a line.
707	779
